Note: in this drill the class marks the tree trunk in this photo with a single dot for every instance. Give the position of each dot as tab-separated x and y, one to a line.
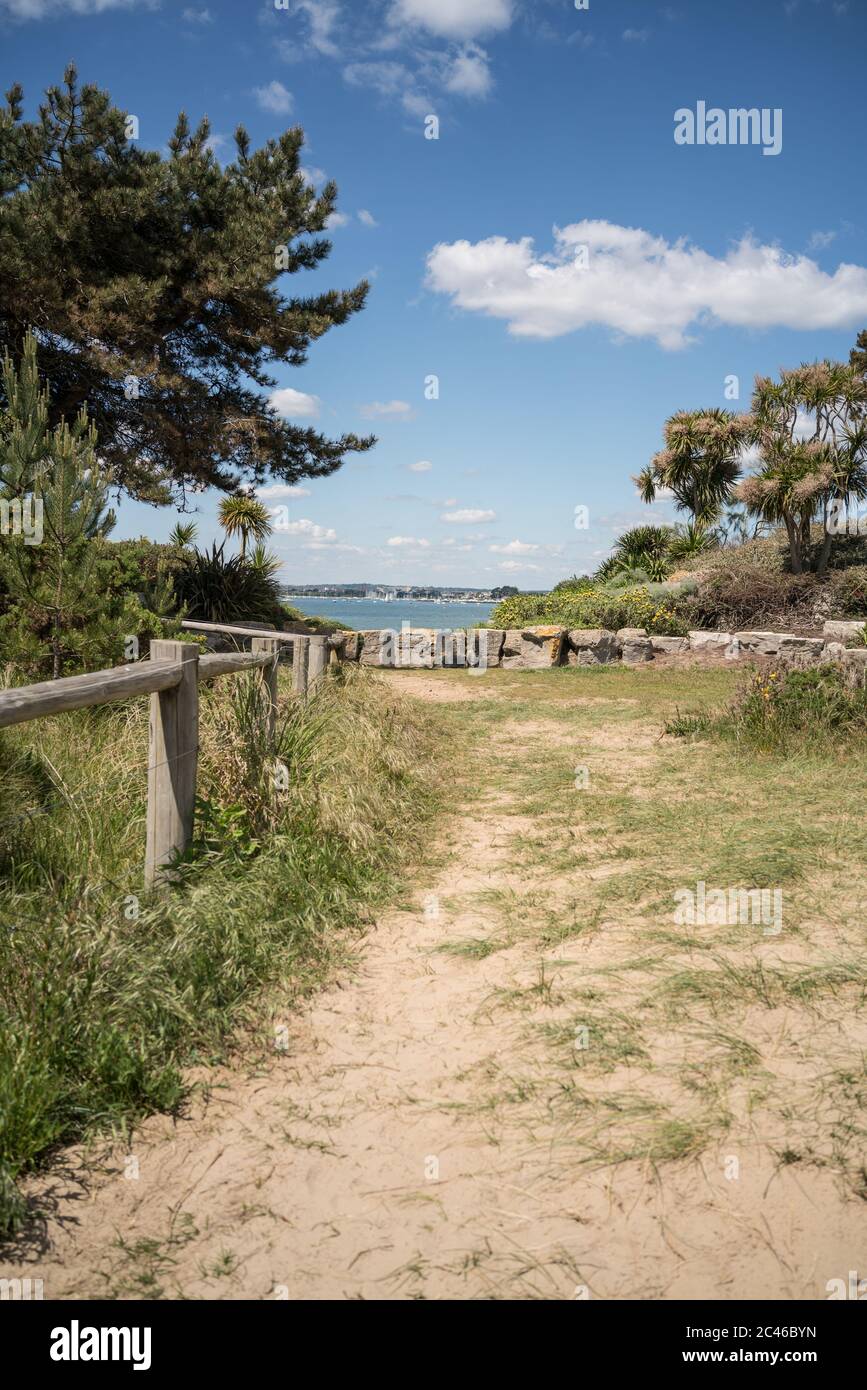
56	667
794	544
824	554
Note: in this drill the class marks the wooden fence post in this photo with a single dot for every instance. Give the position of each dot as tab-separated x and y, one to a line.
300	661
318	660
269	675
172	759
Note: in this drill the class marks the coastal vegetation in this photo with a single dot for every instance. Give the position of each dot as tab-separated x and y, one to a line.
140	363
773	534
108	996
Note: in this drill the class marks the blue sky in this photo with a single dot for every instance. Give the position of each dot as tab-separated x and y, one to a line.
556	132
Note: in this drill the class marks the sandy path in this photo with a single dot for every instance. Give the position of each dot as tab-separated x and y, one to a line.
411	1144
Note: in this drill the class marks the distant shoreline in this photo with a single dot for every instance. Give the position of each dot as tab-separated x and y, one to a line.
362	598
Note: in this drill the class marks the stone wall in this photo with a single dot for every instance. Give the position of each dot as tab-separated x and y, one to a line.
538	648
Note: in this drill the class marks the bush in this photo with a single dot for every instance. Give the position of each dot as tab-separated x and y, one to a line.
752	596
766	553
782	711
592	607
135	578
816	703
312	622
847	592
214	589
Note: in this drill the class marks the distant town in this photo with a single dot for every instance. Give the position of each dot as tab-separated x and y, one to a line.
399	591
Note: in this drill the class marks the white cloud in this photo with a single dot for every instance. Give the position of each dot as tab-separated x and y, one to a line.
275	490
514	548
216	142
304	527
641	285
387	78
311	174
294	405
453	19
374	410
322	17
423	466
336	219
467	516
274	97
468	73
518	565
463	72
324	545
367	218
416	104
636	35
819	240
191	16
406	540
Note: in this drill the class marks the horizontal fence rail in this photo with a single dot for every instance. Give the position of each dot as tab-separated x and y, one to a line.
238	630
311	653
17	706
225	663
171	677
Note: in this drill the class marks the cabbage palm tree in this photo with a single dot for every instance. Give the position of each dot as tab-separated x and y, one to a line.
701	462
812	436
245	516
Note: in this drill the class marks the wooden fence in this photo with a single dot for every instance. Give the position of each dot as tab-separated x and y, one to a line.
171	677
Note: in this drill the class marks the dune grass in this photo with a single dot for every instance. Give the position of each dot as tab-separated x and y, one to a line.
107	996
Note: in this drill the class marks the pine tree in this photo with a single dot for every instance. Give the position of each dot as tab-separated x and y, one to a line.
153	284
50	576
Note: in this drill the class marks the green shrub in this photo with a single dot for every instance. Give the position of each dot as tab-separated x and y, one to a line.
847	592
591	607
575	581
751	596
785	711
817	703
139	602
215	589
766	553
314	621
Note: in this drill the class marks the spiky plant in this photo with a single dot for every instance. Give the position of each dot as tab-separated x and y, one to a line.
265	561
219	590
183	534
643	548
691	540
